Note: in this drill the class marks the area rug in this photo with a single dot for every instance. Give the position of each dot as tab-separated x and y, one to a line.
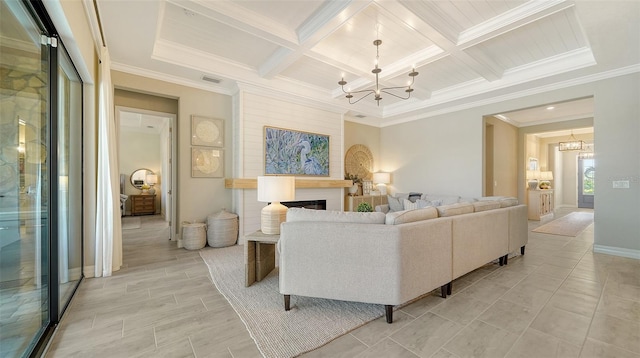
311	322
129	223
569	225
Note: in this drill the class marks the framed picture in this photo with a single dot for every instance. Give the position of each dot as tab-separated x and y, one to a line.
295	153
367	187
207	131
533	163
207	162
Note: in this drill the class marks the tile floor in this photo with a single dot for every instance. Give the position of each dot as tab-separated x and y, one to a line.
558	300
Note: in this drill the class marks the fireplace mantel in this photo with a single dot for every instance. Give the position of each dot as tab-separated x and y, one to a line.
250	183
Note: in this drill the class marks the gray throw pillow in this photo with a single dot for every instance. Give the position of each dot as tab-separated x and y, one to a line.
395	204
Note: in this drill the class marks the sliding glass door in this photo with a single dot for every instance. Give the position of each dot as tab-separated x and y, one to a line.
40	178
24	181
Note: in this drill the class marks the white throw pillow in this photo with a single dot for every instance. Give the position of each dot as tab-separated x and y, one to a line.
408	205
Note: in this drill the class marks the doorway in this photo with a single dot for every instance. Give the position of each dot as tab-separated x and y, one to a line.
586	188
150	134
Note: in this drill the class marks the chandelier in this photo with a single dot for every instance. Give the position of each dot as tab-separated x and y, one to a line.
571	145
377	91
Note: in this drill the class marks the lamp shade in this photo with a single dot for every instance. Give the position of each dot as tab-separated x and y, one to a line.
152	179
382	178
532	174
276	188
547	175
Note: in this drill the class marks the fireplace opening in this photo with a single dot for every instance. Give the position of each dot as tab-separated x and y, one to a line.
307	204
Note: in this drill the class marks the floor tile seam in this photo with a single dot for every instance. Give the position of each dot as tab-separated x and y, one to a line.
612	345
359	340
538	314
408	349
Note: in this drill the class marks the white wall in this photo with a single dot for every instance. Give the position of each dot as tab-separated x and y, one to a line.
255	111
617	145
443	154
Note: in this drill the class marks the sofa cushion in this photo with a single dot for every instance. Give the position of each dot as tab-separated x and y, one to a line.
444	199
485	205
454	209
408	216
384	208
302	214
395	203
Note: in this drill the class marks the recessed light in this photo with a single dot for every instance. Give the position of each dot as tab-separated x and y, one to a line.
550	108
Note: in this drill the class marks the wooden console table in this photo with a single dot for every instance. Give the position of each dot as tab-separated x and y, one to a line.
259	256
351	202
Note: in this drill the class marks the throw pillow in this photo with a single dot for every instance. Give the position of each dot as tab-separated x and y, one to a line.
395	204
408	205
414	196
425	203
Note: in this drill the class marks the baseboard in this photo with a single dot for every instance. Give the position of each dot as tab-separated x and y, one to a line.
89	271
617	251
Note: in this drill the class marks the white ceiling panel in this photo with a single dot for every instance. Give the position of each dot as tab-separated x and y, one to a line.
207	35
465	50
551	36
307	69
290	14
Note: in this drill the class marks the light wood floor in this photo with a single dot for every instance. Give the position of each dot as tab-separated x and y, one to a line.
558	300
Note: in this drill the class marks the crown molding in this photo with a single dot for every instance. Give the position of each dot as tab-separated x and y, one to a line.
171	79
529	92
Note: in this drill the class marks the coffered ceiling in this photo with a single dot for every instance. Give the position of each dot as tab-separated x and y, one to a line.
475	51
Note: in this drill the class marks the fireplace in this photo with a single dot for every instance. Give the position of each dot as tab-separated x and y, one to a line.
307	204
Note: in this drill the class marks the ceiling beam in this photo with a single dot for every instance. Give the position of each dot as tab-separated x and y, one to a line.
329	18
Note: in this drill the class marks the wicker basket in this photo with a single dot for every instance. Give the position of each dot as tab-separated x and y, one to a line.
194	236
222	229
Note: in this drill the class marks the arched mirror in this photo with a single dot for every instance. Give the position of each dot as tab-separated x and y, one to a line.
139	177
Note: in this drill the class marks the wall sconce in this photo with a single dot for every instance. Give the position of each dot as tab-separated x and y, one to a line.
381	180
275	189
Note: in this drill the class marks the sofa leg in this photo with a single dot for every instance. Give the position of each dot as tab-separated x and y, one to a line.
522	250
449	288
388	310
506	259
501	260
287	302
443	291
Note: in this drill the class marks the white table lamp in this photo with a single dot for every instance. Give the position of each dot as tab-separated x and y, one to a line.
381	180
275	189
152	180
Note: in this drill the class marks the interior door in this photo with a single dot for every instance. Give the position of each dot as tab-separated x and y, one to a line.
586	180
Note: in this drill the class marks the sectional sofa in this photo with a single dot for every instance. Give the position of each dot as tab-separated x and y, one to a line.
395	257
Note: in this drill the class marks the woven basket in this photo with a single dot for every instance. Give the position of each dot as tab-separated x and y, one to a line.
194	236
222	229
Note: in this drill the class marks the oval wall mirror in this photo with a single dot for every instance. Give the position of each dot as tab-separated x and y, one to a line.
139	177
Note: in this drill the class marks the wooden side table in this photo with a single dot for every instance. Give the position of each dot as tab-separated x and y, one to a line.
259	256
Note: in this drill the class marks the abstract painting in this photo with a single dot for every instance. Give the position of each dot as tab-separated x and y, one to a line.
295	153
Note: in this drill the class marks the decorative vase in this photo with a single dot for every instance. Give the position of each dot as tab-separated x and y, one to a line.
353	190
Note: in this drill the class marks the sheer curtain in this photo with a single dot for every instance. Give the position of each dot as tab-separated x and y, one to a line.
108	226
